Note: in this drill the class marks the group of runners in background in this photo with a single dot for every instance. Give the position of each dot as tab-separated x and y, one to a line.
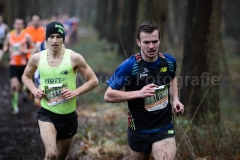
21	42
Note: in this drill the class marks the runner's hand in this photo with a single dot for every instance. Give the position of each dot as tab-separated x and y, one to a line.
39	94
68	94
147	90
178	107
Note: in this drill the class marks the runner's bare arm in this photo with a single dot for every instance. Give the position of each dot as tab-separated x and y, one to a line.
30	43
36	48
177	105
29	72
7	29
113	95
6	43
80	65
86	71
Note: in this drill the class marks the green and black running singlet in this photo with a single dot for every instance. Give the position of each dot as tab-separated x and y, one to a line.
53	80
135	73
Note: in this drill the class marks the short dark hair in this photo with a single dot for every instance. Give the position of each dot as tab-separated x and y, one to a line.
148	27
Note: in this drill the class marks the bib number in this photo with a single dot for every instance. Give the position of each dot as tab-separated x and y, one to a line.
53	94
16	49
159	100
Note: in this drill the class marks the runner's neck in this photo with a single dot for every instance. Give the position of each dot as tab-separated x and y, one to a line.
18	32
56	54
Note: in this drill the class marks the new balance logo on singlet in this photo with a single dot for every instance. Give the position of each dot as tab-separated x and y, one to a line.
170	132
163	69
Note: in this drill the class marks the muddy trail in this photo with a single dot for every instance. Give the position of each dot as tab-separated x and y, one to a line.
19	134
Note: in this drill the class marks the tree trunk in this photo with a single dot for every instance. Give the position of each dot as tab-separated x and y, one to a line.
8	16
112	21
200	65
153	10
128	27
21	8
100	19
171	20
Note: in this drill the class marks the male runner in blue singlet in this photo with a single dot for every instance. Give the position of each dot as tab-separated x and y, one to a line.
149	80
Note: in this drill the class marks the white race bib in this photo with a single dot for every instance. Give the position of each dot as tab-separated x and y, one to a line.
16	49
159	100
54	94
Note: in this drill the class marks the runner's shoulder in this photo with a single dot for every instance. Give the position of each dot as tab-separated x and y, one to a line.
9	34
34	59
28	35
129	62
77	58
75	55
169	57
7	29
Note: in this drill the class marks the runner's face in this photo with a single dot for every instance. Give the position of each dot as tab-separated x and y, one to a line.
18	24
55	42
35	20
149	45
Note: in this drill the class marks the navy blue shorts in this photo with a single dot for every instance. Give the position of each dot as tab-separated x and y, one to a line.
65	124
142	142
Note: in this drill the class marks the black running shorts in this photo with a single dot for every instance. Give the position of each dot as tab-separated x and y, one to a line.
65	124
142	142
16	71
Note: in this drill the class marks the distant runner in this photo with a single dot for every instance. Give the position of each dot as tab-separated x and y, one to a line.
4	29
16	42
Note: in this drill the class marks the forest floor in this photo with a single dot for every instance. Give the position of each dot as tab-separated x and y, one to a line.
19	134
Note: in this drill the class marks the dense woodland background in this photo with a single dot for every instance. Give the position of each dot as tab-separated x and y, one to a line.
204	37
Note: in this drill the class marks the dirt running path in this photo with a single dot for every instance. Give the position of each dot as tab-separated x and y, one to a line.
19	137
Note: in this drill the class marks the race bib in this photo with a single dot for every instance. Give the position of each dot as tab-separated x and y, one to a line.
16	49
54	94
159	100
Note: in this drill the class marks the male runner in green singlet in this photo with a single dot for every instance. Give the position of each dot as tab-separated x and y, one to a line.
57	66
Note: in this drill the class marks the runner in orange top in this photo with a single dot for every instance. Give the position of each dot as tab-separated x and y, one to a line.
16	43
36	31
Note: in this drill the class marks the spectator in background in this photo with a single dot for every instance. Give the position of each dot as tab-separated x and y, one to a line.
65	20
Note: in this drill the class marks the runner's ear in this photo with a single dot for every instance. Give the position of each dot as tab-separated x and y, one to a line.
138	43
